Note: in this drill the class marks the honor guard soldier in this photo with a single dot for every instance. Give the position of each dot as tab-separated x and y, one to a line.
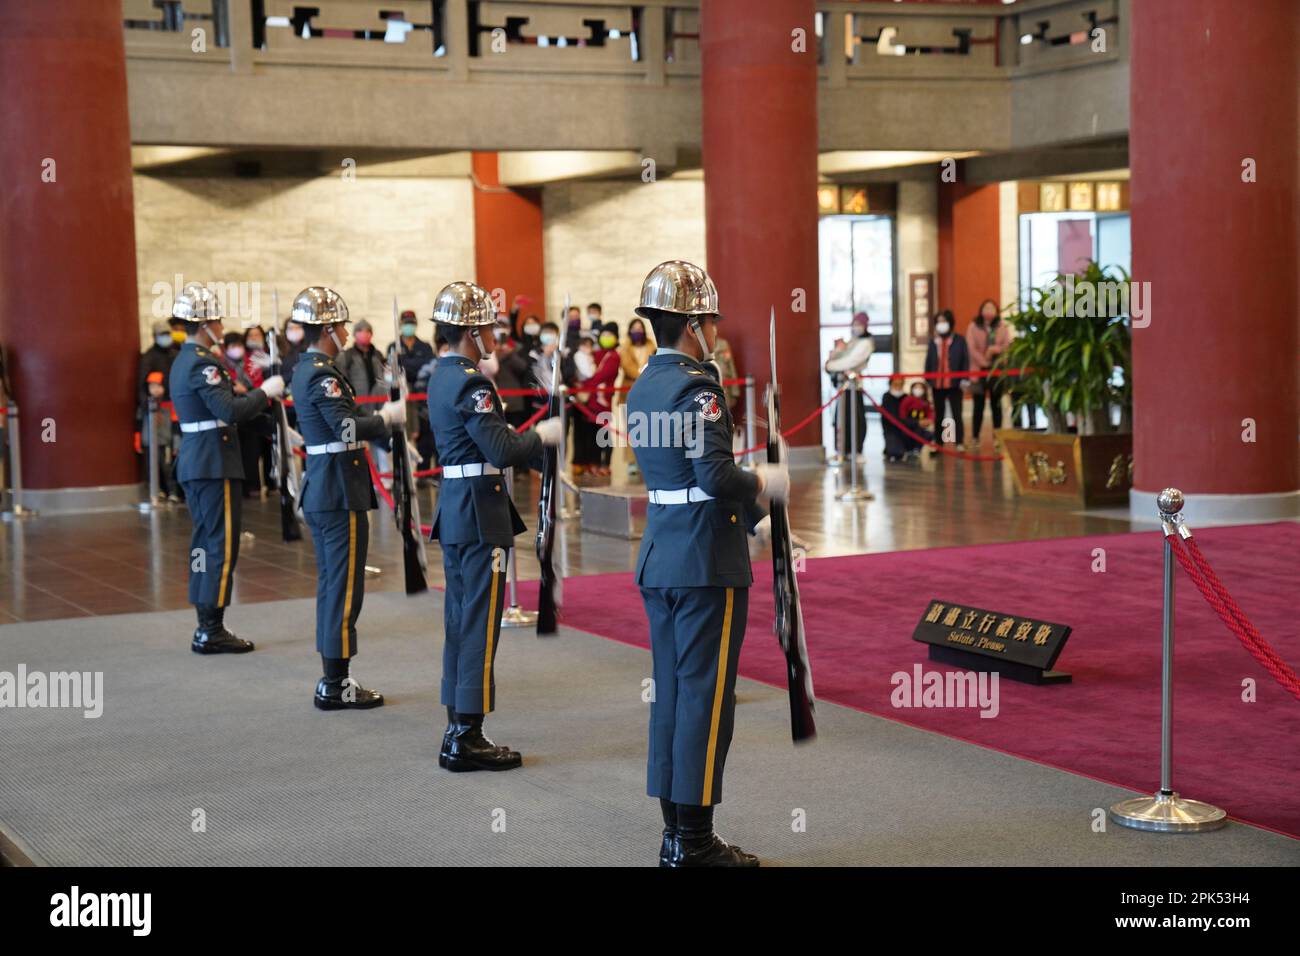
693	567
210	467
475	521
337	492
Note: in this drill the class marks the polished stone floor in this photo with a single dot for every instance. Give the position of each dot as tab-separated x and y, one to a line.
124	561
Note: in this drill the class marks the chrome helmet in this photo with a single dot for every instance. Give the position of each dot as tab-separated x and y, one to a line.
464	303
679	287
196	303
317	305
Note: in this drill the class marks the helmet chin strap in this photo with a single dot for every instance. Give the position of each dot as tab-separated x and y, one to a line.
212	339
334	337
706	353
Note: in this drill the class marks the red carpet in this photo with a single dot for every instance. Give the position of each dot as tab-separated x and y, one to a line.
860	612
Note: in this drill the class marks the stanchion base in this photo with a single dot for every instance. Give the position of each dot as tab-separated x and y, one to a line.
18	513
146	507
1168	813
515	616
855	494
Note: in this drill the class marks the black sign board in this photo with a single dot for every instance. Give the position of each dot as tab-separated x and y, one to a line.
1020	647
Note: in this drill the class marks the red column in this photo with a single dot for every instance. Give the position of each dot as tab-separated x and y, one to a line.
970	262
1214	85
760	179
508	238
68	303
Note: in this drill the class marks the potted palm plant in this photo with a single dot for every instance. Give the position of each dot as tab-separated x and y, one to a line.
1073	344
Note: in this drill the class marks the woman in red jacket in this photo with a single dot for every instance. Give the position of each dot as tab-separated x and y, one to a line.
608	363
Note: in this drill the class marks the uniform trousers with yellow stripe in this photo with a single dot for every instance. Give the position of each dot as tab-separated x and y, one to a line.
695	638
474	600
341	539
214	505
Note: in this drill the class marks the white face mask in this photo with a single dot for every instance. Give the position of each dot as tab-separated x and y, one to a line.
164	341
293	335
896	391
942	328
531	328
918	393
235	352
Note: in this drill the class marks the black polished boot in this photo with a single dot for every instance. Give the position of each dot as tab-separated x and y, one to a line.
469	750
446	736
669	810
211	636
339	691
695	843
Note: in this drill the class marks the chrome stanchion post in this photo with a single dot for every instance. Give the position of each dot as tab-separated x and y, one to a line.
562	451
749	421
151	423
854	493
1166	811
16	509
514	615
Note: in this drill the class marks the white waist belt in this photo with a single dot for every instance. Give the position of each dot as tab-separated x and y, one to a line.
469	471
207	426
334	447
679	496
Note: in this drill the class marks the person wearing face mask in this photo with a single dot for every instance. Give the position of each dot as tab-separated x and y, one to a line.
511	373
158	357
896	440
636	351
918	416
475	520
293	349
945	359
363	366
210	466
258	449
417	353
542	361
529	330
234	355
987	338
851	355
337	494
603	379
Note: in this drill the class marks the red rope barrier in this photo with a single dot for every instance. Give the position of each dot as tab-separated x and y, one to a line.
1217	596
930	444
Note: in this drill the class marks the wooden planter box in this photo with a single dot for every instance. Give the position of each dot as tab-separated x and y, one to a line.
1086	469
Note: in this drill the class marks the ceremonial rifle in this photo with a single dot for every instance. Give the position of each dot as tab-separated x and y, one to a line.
282	451
406	506
548	593
789	613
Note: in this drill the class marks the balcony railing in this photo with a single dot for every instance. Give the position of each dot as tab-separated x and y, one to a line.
652	41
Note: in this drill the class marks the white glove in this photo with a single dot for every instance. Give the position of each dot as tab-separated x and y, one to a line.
550	431
413	450
295	439
762	532
393	413
774	480
261	359
273	387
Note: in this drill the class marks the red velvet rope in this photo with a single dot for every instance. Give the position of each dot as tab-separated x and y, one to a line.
1217	596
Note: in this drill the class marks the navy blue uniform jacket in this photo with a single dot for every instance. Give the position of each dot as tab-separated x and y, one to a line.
202	390
328	412
469	427
704	543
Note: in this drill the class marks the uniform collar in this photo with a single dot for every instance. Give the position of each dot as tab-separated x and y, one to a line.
666	356
453	358
319	354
